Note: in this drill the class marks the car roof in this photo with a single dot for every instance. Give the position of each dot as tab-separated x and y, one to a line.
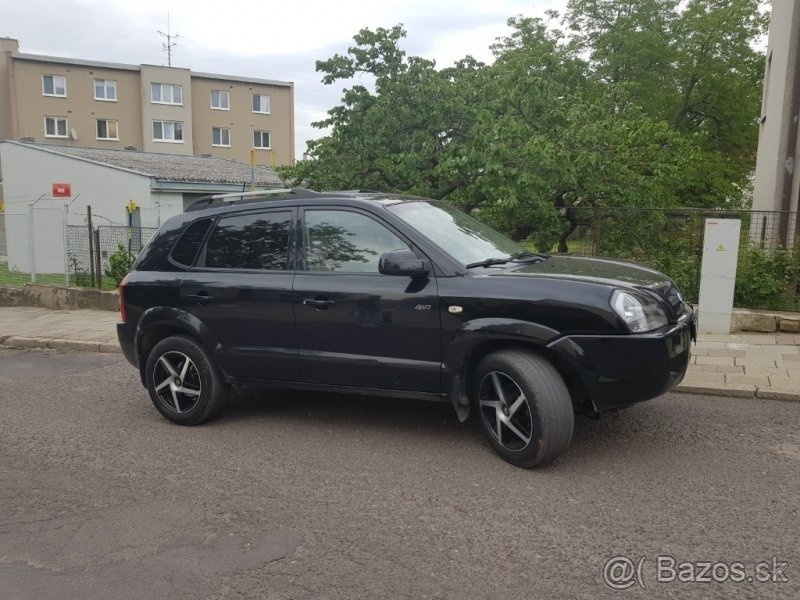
287	196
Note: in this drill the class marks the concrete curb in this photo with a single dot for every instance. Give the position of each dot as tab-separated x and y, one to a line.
740	391
16	341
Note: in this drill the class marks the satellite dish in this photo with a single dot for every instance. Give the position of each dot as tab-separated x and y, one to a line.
73	134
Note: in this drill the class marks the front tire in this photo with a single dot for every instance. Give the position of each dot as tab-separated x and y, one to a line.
183	382
523	406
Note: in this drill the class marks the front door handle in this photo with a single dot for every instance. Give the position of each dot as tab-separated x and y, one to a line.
320	302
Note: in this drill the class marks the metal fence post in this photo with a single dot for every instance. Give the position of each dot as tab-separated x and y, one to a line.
91	244
31	257
64	223
98	267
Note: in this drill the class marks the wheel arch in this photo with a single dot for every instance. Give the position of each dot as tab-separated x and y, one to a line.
479	338
160	323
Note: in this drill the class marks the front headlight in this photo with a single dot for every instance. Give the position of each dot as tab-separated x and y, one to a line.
639	313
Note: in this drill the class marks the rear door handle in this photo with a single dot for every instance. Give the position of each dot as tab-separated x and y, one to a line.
320	303
200	297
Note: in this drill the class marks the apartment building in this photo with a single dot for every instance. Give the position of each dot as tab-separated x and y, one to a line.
75	102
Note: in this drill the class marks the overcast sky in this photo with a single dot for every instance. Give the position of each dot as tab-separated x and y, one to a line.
266	39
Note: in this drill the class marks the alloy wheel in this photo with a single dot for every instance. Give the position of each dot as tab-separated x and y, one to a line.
176	381
505	411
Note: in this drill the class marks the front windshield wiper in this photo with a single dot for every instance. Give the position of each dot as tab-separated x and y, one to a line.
524	256
488	262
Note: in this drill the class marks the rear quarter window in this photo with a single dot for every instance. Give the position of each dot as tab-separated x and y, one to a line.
189	244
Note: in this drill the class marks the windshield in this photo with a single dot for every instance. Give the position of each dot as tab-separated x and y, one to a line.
467	239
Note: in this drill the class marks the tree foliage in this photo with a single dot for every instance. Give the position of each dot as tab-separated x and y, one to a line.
632	103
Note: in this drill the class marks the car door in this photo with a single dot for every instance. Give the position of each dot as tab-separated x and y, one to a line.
355	326
240	288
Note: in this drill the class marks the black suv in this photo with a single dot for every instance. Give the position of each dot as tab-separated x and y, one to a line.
395	295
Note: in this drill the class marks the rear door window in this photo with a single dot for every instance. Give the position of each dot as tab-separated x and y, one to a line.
258	241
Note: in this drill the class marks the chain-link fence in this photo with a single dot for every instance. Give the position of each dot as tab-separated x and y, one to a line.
90	252
38	246
33	246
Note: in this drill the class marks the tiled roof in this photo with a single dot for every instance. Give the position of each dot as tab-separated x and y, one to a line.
171	167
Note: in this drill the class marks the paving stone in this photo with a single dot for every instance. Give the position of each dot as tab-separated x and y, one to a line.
726	352
703	345
764	371
704	378
718	369
752	362
714	360
757	380
775	349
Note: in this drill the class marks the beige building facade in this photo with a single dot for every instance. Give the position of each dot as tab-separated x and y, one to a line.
74	102
777	177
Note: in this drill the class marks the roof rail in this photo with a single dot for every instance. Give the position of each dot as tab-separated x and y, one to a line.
253	196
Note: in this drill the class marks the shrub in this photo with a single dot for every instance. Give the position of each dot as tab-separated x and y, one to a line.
119	264
768	279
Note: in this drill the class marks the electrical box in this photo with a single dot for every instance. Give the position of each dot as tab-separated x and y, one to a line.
718	274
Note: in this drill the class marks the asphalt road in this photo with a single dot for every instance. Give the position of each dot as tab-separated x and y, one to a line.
324	496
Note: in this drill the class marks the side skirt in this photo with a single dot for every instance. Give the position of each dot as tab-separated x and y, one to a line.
319	387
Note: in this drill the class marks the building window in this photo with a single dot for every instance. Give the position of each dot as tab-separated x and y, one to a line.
105	89
261	140
55	127
260	104
220	136
220	100
167	131
166	93
54	85
107	130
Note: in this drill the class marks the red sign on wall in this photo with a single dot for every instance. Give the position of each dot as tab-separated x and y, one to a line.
62	190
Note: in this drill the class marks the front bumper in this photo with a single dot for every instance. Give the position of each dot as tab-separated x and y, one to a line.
619	370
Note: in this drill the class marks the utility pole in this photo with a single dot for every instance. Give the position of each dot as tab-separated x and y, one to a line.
169	44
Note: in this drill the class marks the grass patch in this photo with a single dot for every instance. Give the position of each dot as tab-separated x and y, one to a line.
8	277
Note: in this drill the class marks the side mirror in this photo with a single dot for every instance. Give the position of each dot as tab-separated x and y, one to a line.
403	262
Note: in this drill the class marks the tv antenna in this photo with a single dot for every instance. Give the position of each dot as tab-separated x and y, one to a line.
170	43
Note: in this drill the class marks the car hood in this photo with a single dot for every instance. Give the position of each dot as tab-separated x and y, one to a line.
597	270
589	269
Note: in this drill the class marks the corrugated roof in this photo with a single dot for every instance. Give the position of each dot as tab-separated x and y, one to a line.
170	167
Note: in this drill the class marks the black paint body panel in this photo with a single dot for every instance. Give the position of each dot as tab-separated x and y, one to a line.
403	335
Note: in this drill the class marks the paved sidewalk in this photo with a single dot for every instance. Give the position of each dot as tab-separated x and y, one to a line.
742	365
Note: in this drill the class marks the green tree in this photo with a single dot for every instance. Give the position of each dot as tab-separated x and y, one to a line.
634	103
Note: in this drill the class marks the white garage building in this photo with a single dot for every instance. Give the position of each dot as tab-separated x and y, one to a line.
45	188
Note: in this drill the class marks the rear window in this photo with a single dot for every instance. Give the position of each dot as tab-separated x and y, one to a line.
186	249
252	241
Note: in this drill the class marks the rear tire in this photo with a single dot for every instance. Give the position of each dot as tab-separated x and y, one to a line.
523	406
183	382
